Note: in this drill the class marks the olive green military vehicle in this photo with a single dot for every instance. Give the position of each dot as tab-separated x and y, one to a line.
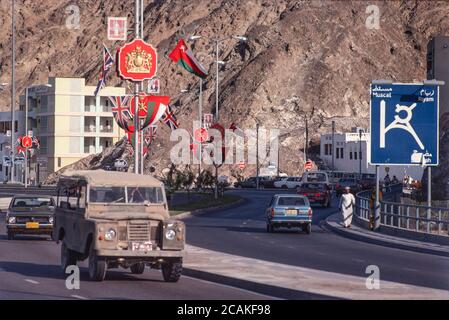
117	219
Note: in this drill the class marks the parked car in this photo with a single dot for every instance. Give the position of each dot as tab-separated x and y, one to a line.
247	183
319	193
347	182
30	214
288	183
268	182
117	219
286	210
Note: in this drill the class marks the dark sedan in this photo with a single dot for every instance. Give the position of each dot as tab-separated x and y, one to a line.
317	193
347	182
30	215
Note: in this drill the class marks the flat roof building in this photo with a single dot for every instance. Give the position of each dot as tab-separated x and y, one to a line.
69	121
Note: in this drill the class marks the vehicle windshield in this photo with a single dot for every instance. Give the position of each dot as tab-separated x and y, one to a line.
313	186
318	177
129	195
32	202
291	201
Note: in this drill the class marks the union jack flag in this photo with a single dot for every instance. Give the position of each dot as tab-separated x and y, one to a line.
121	111
107	64
169	119
150	134
36	143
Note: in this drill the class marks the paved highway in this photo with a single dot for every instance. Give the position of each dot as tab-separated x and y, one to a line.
241	231
29	266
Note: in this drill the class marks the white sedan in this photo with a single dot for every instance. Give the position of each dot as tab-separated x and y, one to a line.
288	183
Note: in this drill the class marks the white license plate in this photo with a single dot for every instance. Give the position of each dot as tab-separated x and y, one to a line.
141	246
292	212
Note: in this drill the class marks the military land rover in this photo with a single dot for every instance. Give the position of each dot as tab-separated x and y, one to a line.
117	219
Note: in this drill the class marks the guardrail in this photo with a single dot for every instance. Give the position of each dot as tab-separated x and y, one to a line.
417	218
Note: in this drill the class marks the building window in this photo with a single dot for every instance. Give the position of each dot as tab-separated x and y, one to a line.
360	155
337	154
1	167
350	155
16	126
327	149
341	153
355	155
59	161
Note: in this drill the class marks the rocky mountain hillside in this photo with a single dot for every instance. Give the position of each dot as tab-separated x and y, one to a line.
311	59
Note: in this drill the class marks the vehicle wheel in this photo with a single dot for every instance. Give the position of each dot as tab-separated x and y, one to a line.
270	228
328	203
68	257
308	228
171	271
10	235
97	266
138	268
284	187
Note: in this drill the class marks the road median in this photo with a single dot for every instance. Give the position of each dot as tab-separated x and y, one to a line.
207	205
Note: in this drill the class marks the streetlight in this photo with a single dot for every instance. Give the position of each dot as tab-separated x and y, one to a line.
218	62
26	125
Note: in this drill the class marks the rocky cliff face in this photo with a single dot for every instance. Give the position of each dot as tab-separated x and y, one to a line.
319	54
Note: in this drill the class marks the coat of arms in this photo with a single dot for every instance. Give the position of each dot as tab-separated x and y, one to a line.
138	61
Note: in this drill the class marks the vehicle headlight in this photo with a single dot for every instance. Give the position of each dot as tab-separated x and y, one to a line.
170	234
110	235
50	220
12	220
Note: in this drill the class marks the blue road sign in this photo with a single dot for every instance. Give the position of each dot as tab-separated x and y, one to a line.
404	124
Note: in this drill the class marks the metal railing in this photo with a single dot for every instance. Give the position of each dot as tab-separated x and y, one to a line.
419	218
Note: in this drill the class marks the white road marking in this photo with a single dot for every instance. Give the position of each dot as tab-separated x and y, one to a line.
32	281
78	297
232	287
410	269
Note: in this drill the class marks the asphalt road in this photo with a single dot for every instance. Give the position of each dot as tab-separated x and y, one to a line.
29	269
242	231
29	266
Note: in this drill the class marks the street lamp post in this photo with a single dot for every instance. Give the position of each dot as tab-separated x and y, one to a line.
13	84
360	153
26	128
218	62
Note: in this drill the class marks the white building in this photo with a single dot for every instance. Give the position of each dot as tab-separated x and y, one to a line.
69	121
352	146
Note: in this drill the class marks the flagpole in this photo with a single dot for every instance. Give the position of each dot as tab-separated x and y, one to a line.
200	111
141	151
136	94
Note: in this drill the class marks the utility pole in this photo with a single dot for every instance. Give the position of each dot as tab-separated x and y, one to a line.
200	111
216	81
333	147
136	96
360	153
13	85
257	155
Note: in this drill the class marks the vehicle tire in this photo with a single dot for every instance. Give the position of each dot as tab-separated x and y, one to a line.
328	203
284	186
171	271
308	228
97	267
68	257
10	235
138	268
270	228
